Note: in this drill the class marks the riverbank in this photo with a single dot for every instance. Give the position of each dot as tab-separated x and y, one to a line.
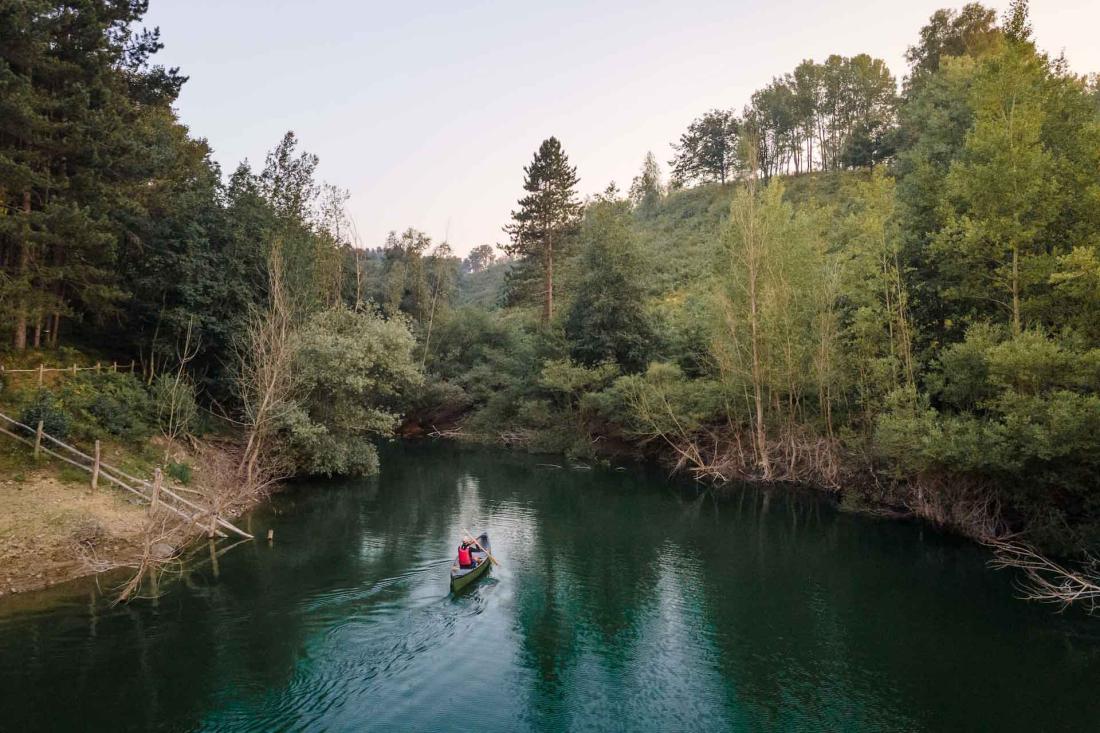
55	528
956	505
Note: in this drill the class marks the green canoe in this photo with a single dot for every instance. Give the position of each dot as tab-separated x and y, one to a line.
462	577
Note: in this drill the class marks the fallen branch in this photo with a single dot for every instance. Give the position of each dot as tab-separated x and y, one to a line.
1045	580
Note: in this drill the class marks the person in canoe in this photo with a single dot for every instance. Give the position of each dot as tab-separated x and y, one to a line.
474	558
466	557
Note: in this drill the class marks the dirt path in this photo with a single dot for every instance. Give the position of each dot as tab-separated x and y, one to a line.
52	530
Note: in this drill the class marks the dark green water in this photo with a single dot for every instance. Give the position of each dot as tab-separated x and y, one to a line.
624	602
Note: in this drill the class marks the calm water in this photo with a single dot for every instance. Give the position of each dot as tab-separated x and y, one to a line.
625	602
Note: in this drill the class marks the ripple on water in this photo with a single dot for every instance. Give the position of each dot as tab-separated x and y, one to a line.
620	605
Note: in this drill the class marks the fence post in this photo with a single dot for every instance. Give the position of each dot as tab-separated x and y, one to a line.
132	364
41	373
74	370
158	479
38	440
213	558
114	366
97	367
95	468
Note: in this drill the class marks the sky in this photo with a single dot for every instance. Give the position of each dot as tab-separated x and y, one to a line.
427	111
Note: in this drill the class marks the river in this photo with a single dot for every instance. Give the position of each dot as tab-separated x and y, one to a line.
623	602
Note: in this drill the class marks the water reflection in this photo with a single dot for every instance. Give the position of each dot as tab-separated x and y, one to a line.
623	602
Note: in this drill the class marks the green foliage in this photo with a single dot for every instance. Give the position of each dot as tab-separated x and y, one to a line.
647	190
662	401
480	259
607	320
355	371
546	216
1023	410
876	323
483	353
77	99
45	406
179	471
569	382
708	151
970	31
116	403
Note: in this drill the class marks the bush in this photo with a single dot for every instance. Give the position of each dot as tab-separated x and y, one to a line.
356	371
46	407
179	471
116	403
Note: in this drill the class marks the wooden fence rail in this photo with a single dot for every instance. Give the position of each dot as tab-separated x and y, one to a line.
156	494
41	370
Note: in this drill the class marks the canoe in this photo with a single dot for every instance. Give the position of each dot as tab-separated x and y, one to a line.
462	577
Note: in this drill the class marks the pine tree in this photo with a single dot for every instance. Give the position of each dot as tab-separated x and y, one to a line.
646	189
546	215
75	91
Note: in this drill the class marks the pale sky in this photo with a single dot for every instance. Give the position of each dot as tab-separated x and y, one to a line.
427	111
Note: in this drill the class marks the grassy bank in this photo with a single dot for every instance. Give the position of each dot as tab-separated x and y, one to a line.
55	526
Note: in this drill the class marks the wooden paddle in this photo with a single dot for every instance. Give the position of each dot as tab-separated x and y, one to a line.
474	540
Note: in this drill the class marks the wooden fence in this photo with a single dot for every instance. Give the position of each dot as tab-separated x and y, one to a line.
156	493
41	370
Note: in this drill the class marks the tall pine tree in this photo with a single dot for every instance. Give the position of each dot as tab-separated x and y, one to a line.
75	84
546	215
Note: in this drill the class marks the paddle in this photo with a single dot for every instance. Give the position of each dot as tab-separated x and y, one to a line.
471	538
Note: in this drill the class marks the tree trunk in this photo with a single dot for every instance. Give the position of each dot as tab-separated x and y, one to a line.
548	313
757	374
20	342
1015	290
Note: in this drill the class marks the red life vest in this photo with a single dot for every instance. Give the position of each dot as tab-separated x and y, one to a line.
464	557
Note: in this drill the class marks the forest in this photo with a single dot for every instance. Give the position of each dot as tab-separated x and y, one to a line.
887	287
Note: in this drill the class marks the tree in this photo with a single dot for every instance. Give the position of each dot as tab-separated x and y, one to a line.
871	142
403	273
480	258
971	31
546	215
647	189
442	273
287	180
288	183
354	371
607	321
772	120
1016	25
75	85
878	326
748	241
1011	191
806	85
267	382
708	150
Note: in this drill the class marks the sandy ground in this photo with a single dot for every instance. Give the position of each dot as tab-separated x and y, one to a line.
52	530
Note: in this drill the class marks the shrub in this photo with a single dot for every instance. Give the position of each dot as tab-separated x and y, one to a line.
176	407
116	403
179	471
356	371
46	407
